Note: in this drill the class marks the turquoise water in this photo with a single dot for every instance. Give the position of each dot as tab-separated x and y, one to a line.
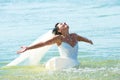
22	21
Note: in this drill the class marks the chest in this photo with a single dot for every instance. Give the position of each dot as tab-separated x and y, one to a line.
71	40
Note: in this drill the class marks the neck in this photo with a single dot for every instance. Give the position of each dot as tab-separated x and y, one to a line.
65	34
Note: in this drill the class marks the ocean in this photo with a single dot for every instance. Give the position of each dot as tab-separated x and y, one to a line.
23	21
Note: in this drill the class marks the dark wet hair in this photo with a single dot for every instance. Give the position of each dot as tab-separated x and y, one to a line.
55	30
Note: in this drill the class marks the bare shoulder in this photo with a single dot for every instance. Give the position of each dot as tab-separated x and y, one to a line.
54	39
77	36
73	34
57	37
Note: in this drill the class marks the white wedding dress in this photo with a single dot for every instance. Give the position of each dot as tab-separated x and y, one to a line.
67	59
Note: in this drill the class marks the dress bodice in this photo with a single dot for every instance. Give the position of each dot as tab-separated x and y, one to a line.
66	50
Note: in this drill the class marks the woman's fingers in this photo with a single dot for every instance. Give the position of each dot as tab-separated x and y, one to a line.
23	49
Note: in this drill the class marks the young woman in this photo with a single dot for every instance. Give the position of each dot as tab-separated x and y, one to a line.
67	45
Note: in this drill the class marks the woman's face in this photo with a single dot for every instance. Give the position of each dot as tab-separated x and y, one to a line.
62	26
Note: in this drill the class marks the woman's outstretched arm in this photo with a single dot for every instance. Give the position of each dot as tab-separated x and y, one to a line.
81	38
40	44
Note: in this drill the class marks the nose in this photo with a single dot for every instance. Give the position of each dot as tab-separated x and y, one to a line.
65	23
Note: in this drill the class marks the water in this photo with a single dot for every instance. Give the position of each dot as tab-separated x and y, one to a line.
22	21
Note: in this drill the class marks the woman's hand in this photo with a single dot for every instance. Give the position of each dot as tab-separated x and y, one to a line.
90	42
23	49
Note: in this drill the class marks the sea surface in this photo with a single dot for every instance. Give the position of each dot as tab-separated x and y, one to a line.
23	21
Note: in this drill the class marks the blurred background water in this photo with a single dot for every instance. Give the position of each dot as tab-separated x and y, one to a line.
22	21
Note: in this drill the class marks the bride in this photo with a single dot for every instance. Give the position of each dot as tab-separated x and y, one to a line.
67	45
